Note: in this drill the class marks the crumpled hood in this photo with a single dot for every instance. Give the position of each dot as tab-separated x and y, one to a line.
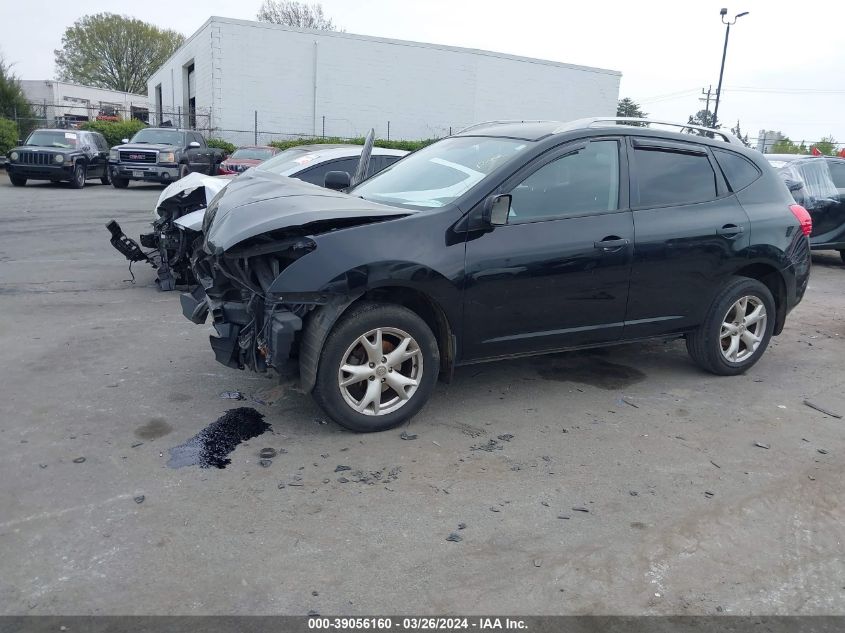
256	203
212	185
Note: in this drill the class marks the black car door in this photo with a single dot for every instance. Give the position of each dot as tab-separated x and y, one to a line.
690	233
556	275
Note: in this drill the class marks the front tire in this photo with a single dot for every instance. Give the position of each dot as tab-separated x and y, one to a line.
378	367
736	330
184	170
17	181
77	180
106	178
119	183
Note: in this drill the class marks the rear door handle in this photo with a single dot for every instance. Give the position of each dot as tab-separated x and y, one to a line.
730	230
610	244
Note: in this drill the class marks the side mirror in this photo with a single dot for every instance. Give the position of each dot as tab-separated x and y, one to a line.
497	209
337	180
793	185
193	144
124	140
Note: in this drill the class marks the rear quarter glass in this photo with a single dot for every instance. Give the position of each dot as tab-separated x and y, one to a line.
738	170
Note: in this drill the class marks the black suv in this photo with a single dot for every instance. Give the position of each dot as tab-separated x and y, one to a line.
817	184
57	155
162	155
507	239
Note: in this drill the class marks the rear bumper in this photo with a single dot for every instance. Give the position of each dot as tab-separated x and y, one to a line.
41	172
247	334
145	172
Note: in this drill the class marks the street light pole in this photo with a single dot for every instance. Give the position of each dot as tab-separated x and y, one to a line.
728	24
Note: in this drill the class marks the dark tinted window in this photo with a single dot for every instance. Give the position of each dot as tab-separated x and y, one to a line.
317	175
667	177
837	173
738	170
577	183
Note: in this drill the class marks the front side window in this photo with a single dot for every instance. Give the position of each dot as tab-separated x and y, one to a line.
440	173
158	137
667	177
582	182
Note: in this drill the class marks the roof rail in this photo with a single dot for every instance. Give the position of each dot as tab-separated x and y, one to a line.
593	121
501	122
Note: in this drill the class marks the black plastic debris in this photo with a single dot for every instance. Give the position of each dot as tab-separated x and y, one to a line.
715	464
822	451
708	494
42	465
407	436
210	448
232	395
494	509
137	444
79	460
633	493
341	468
761	445
265	463
267	453
544	503
315	593
563	516
506	437
140	499
580	509
454	537
538	562
462	526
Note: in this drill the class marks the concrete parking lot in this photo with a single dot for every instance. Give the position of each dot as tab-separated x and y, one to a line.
694	494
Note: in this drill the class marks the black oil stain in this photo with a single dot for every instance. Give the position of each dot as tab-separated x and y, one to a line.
154	429
179	397
590	369
210	448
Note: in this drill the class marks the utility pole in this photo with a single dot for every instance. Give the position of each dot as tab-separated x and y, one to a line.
728	24
706	98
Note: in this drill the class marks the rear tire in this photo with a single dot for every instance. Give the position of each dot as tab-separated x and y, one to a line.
77	180
404	354
184	170
737	329
106	179
17	181
119	183
842	256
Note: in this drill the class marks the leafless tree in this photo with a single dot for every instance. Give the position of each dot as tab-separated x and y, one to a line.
292	13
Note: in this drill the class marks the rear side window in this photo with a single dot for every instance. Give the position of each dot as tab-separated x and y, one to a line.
739	171
837	173
667	177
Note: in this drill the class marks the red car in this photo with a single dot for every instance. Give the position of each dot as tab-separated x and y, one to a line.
245	157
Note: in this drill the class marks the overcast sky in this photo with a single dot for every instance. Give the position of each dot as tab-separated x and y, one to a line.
785	67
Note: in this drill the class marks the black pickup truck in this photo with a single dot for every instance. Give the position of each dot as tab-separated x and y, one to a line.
162	155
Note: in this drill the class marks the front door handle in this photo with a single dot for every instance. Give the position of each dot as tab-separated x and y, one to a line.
611	244
730	231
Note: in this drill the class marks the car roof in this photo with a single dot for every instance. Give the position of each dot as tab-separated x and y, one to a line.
328	151
256	147
791	158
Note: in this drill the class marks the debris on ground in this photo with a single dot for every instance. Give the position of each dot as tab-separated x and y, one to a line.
342	480
544	503
494	509
538	562
137	444
715	464
267	453
140	499
407	436
489	446
454	537
580	509
210	448
629	403
265	463
633	493
232	395
761	445
813	405
507	437
563	516
315	594
462	526
823	451
341	468
79	460
708	494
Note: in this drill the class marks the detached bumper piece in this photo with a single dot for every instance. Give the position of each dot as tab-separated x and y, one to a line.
126	245
194	305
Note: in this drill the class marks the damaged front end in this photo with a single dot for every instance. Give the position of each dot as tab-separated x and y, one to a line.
255	329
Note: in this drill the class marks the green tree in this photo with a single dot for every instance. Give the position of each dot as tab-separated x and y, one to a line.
786	146
114	51
826	146
299	14
629	107
737	132
8	135
12	99
703	118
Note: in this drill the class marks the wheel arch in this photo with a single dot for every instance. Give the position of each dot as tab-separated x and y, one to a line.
773	279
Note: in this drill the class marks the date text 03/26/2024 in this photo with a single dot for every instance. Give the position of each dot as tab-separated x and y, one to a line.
415	624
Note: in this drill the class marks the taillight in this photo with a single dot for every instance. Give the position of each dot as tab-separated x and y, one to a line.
803	218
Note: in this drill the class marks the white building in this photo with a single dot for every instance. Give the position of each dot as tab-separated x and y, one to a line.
232	73
60	100
766	139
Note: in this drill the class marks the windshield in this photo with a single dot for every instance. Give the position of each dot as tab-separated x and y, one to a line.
160	137
45	138
293	158
251	153
438	174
